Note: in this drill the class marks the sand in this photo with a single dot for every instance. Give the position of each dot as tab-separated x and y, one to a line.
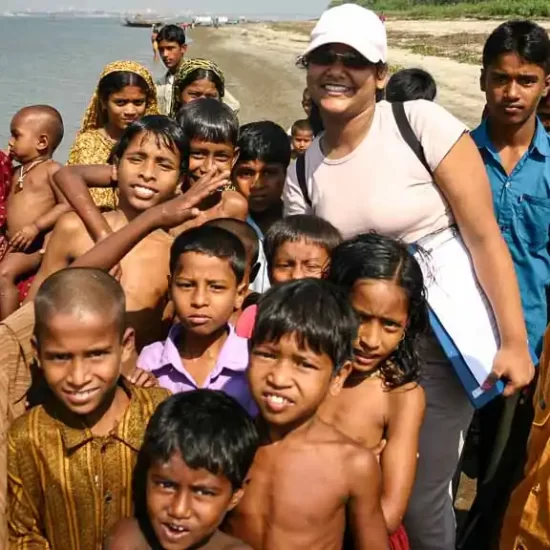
259	60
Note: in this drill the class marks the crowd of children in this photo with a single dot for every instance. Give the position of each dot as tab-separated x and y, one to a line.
214	375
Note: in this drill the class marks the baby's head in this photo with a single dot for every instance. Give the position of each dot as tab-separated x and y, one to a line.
299	246
207	266
36	131
301	137
195	457
80	337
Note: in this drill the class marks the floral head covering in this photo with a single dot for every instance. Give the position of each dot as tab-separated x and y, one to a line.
94	117
187	67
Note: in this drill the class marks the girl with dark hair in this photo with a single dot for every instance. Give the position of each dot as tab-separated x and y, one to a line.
124	94
382	404
197	78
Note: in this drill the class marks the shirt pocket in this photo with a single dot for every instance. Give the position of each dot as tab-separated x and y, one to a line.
534	221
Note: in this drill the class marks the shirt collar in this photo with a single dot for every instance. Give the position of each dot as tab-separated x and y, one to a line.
540	141
231	355
74	433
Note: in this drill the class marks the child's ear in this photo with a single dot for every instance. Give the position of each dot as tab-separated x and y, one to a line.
128	344
34	344
236	154
43	143
235	499
242	289
340	378
482	76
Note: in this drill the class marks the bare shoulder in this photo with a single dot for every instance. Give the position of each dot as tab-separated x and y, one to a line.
407	398
234	205
126	535
70	223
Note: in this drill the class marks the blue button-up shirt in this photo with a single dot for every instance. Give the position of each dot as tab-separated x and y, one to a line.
522	207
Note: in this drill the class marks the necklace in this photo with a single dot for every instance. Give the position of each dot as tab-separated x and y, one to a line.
23	174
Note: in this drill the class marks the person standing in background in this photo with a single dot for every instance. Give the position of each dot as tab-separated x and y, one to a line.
154	42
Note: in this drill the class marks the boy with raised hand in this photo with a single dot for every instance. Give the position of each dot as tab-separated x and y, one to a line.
70	459
150	158
306	474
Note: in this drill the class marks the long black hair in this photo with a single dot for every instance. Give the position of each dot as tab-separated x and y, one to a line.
373	256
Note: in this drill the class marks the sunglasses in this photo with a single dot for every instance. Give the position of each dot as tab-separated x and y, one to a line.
327	57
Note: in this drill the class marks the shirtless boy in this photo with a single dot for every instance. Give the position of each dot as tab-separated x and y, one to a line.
34	205
306	474
149	159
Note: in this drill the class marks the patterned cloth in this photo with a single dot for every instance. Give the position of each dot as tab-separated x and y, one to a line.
67	488
6	172
91	145
188	67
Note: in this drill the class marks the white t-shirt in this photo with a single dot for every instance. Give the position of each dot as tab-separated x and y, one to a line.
381	186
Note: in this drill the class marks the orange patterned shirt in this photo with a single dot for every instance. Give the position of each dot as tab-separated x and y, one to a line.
67	488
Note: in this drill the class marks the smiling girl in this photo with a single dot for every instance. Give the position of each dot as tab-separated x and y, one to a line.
124	94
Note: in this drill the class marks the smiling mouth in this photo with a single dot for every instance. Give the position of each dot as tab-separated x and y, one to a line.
336	89
276	402
144	193
80	397
174	532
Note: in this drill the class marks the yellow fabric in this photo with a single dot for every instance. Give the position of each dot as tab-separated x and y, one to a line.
527	521
93	147
67	488
187	67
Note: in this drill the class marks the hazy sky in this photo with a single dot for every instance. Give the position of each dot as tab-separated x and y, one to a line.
233	6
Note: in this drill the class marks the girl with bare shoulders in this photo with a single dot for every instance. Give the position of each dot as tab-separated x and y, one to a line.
381	405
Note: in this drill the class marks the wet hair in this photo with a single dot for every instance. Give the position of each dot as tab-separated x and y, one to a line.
411	84
210	241
312	229
243	231
208	428
315	311
524	38
117	81
372	256
171	33
79	289
203	74
46	119
210	120
166	131
264	141
301	126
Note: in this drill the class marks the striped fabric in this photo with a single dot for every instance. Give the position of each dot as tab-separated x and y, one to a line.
67	488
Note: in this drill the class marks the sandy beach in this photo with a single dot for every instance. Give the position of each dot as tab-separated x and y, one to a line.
259	60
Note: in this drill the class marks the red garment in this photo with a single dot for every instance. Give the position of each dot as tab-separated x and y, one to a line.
399	540
246	322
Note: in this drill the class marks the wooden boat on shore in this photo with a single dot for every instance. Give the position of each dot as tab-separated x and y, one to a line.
141	22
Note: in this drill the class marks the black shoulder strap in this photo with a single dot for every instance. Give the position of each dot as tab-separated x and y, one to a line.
407	133
301	175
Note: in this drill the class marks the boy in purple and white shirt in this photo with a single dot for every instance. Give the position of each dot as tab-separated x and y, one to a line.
207	266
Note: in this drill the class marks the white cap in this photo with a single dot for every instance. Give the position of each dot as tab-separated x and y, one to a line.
354	26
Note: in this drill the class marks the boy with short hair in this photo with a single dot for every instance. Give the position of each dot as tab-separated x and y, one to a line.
516	151
150	158
409	85
260	171
70	459
193	464
301	136
296	247
543	112
33	204
306	474
172	46
207	266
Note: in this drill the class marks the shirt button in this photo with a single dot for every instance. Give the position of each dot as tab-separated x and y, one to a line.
508	184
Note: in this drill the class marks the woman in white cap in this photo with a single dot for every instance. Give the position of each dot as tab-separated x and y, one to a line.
362	174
